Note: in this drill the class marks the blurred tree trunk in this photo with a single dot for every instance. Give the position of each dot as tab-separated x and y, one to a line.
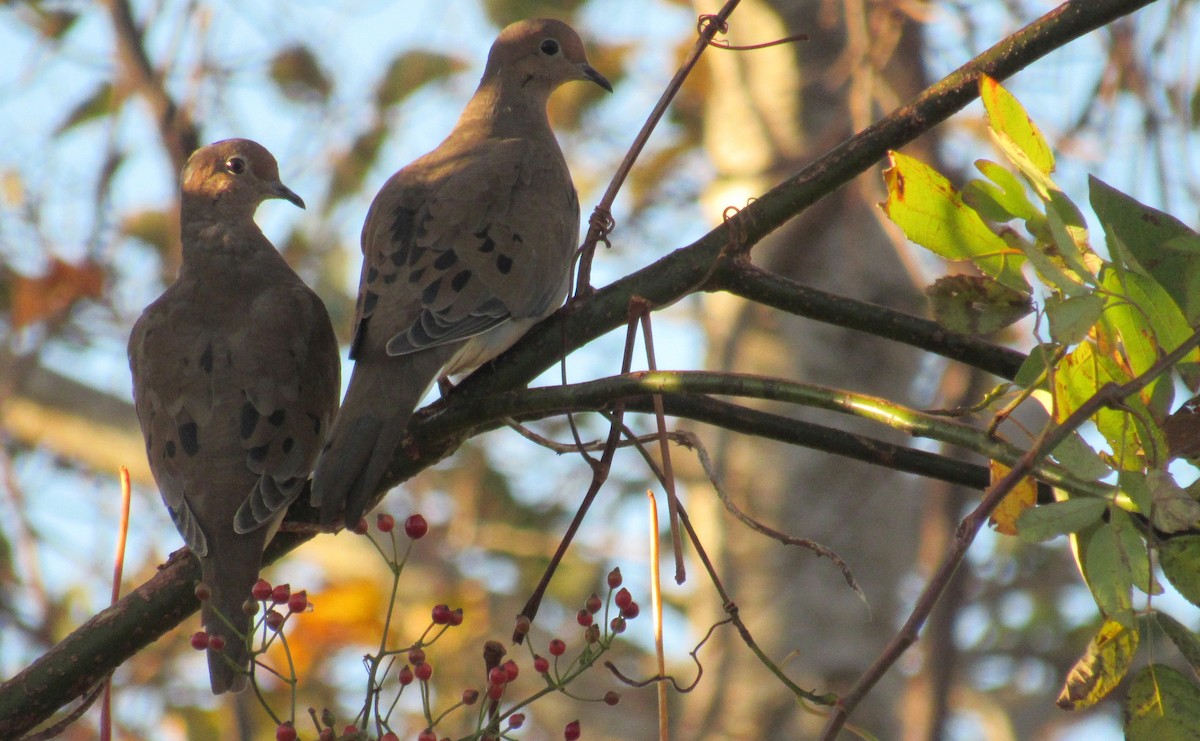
768	112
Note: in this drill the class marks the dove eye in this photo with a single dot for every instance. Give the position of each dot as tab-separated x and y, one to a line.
235	165
549	47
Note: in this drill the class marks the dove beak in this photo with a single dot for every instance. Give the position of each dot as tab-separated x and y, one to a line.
589	73
279	190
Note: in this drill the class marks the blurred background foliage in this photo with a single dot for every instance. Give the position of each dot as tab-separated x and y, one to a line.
102	102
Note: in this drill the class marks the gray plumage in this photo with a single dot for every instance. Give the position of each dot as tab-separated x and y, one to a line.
235	381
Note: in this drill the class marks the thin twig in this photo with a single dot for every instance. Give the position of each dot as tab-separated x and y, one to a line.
600	224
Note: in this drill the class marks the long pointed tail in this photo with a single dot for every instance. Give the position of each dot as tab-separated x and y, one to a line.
229	577
370	424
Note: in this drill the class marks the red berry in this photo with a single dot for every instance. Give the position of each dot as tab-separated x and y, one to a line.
280	594
216	643
572	731
416	656
200	640
285	732
385	523
456	617
423	671
617	624
614	578
511	670
498	676
203	593
495	691
389	736
298	602
541	664
584	618
516	720
593	603
261	589
406	676
351	731
415	527
327	734
427	735
557	647
360	527
623	598
612	697
470	697
274	619
441	615
630	611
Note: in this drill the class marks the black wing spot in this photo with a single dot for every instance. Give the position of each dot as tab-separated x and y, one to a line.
372	274
370	298
277	417
400	256
402	226
249	420
259	454
316	423
431	291
504	263
189	438
389	279
445	260
518	239
460	280
287	444
206	358
169	449
488	244
415	276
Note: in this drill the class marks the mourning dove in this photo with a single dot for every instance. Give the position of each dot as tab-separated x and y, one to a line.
463	251
235	380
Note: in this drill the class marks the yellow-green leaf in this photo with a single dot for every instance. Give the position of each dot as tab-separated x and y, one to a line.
1162	705
410	71
1101	668
1015	132
1080	375
1019	500
1183	638
932	213
298	75
974	304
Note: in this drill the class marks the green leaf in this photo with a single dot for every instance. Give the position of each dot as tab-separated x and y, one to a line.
1183	638
1180	561
1108	575
1058	518
1080	459
1016	133
411	70
1004	198
1070	234
932	213
1133	484
1070	319
1035	364
298	75
1101	668
973	304
1162	246
1147	320
1162	705
1134	551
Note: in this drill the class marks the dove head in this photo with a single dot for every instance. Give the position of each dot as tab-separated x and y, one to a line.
539	55
231	178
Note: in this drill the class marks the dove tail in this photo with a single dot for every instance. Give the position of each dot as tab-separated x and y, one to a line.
229	580
369	426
